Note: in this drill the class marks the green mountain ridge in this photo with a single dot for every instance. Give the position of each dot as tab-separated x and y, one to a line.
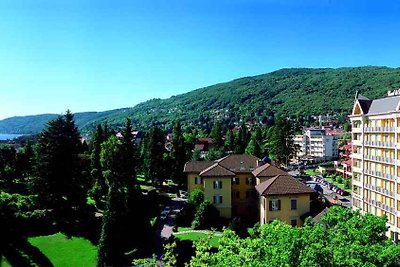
291	91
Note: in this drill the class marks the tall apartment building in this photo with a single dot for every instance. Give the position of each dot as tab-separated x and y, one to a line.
317	144
376	162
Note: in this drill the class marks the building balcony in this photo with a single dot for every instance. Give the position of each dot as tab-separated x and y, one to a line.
356	130
379	129
356	156
380	190
380	175
356	169
357	142
380	205
380	144
380	159
357	183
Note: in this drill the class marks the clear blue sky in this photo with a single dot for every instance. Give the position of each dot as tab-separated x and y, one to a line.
99	55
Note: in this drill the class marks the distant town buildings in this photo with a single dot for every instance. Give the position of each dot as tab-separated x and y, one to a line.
375	158
317	144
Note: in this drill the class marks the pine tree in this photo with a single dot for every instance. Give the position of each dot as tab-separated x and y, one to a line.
216	135
254	146
153	158
59	182
178	154
99	188
230	141
280	143
122	230
242	139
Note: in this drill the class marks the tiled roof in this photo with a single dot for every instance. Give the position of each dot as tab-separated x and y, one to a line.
282	185
267	170
239	163
216	170
318	217
197	166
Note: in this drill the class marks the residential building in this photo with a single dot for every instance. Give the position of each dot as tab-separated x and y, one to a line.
317	144
284	198
227	182
230	183
375	158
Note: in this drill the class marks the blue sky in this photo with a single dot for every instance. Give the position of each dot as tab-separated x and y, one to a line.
99	55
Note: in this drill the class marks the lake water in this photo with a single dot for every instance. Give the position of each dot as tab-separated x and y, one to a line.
9	136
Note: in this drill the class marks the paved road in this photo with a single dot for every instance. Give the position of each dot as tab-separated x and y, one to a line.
165	228
332	196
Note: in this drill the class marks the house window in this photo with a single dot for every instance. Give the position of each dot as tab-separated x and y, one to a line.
274	205
198	180
217	184
250	181
235	181
293	204
217	199
293	222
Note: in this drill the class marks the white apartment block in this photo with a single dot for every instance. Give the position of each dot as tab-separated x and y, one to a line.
317	144
375	156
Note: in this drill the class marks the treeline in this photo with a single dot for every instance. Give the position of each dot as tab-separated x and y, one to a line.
60	184
286	92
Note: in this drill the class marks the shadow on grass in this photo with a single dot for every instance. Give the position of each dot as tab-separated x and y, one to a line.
22	253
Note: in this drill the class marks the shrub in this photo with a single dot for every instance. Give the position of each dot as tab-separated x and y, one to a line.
339	179
196	197
206	216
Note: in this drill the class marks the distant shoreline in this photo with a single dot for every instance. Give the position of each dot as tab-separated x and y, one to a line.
4	137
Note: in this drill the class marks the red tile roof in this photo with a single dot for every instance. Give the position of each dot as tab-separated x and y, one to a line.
267	170
239	163
283	185
216	170
197	166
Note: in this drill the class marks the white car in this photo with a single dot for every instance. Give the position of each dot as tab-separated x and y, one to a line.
183	194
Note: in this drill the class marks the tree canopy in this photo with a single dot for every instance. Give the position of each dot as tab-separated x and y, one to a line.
342	238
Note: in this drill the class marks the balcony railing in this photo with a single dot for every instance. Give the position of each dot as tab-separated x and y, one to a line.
380	159
379	144
380	205
379	129
380	174
380	190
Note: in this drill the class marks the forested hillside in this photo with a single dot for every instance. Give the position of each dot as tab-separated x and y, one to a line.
286	91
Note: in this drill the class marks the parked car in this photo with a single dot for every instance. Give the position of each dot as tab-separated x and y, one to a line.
165	212
183	194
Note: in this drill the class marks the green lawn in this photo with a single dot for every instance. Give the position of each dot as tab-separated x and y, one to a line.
214	242
312	172
181	229
66	252
4	263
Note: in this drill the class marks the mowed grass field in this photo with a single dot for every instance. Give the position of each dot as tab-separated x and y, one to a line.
62	251
214	241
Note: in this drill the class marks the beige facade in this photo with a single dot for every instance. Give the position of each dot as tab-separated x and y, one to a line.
290	208
231	184
219	195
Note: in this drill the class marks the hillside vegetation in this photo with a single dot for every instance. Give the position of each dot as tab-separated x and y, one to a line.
286	91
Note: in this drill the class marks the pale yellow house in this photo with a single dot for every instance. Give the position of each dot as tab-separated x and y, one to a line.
283	198
230	184
227	182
